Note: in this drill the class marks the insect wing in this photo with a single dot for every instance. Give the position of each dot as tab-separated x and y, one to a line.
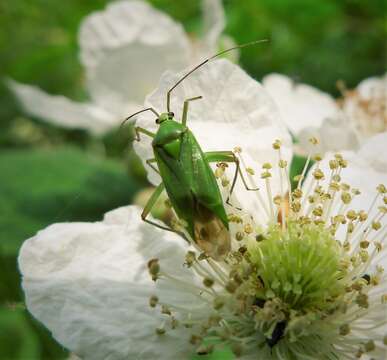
210	219
177	187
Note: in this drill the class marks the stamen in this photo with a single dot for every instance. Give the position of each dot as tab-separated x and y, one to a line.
289	287
253	185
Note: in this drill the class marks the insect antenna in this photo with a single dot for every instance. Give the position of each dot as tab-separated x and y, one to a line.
205	62
138	112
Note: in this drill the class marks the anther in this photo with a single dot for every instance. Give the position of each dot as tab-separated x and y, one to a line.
154	268
362	300
225	182
239	236
153	301
218	303
205	349
208	282
165	310
231	286
277	144
333	164
160	331
369	346
318	174
363	216
376	225
297	193
346	197
352	215
265	175
195	339
248	229
283	164
190	258
314	141
344	329
250	171
317	157
364	244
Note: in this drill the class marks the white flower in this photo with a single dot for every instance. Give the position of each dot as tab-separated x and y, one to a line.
301	105
287	289
343	125
124	50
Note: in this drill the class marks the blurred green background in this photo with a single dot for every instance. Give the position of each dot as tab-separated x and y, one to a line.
48	174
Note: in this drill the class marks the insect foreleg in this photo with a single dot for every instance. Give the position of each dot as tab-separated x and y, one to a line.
229	156
139	130
185	108
149	163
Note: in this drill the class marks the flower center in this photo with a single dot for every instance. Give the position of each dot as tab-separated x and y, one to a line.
300	266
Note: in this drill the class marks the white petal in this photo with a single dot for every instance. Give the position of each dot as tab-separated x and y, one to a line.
366	106
367	168
301	105
214	23
334	134
373	86
126	48
372	150
60	110
88	283
235	111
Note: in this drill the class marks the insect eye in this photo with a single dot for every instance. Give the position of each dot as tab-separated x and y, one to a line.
171	115
157	121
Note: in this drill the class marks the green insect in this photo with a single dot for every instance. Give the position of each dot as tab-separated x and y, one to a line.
188	178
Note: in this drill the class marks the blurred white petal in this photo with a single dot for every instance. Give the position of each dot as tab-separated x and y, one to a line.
334	134
88	283
126	48
214	23
301	105
62	111
371	151
235	111
365	106
367	168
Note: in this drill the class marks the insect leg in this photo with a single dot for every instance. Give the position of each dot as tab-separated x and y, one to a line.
185	108
139	130
229	156
149	205
149	163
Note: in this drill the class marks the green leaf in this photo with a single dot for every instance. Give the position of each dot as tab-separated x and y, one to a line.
296	167
18	341
37	188
40	187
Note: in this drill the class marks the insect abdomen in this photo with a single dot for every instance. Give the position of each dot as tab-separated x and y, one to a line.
210	233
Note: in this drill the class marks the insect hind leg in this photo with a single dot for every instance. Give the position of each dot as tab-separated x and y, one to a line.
148	207
229	156
149	162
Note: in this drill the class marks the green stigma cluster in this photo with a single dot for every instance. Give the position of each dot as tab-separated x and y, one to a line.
299	266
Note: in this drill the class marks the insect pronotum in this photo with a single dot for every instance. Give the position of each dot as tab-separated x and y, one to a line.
187	176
